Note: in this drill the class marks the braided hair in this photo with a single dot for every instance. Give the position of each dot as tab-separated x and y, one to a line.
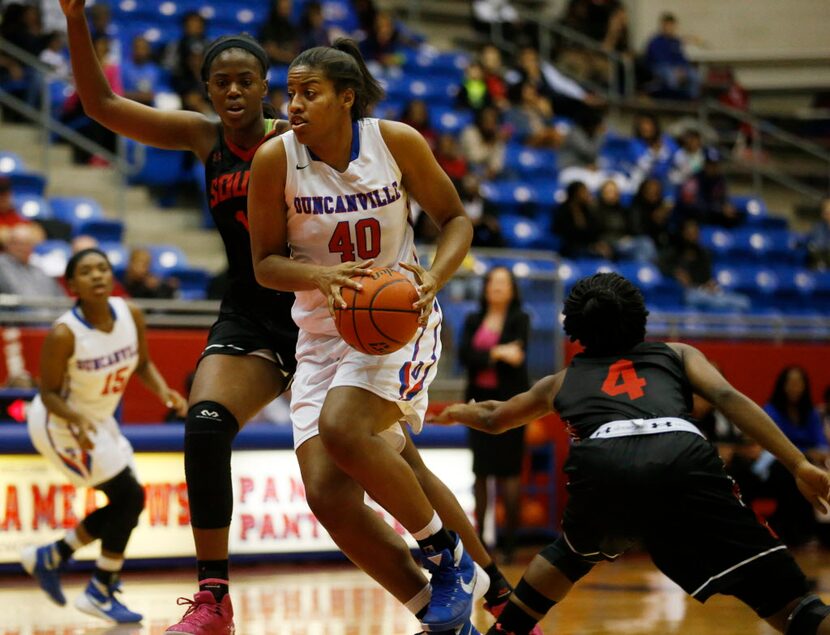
606	313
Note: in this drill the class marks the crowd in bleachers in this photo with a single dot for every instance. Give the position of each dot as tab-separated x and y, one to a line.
528	147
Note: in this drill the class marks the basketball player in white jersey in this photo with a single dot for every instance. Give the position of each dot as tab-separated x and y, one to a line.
86	361
327	200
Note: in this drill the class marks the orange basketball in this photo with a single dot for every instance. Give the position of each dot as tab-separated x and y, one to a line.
378	319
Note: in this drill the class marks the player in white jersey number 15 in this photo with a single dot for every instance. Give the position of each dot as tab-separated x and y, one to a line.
86	361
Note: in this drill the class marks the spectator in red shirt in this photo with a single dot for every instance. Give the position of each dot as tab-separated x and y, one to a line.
449	156
9	216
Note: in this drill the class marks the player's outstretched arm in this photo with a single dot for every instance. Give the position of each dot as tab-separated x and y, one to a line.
428	184
267	214
149	374
495	417
172	130
750	418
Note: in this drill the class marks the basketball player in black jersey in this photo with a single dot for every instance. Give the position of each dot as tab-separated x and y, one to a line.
641	472
249	357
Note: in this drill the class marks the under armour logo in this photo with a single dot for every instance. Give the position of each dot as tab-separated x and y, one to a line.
210	413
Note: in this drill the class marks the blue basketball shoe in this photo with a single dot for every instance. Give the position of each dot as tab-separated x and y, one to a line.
453	580
45	565
99	600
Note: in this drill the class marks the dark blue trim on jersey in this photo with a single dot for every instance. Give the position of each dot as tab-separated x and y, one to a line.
14	437
76	311
355	152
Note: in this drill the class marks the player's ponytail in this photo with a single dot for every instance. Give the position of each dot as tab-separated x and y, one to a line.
343	64
606	314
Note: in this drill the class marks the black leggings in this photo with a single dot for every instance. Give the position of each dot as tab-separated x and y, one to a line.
114	522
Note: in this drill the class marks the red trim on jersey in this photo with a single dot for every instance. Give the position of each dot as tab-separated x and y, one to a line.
247	155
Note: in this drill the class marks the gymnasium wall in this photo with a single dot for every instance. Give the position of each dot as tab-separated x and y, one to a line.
750	366
769	26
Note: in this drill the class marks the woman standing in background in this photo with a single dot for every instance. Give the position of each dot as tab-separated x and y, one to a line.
493	352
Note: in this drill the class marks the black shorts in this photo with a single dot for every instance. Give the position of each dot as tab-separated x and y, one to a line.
670	493
497	454
241	332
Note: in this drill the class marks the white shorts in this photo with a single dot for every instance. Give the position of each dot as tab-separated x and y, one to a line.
52	438
326	361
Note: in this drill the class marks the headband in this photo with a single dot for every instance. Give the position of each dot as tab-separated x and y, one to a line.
234	43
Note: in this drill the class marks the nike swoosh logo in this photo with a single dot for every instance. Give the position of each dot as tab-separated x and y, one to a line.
302	167
105	606
468	587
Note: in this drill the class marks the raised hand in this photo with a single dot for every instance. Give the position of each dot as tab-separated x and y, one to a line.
72	8
331	279
427	287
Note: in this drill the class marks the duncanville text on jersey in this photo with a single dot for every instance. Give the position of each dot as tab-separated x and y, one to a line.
107	360
358	202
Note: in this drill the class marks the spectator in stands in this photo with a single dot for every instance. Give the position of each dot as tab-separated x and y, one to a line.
688	159
569	99
140	74
140	282
673	75
483	144
791	407
619	228
416	114
690	263
651	150
73	110
100	25
493	351
189	84
18	275
279	35
530	117
194	36
366	12
582	142
22	27
278	100
313	31
10	70
450	158
578	226
473	92
705	196
9	217
385	42
494	73
486	227
53	55
605	22
651	214
818	240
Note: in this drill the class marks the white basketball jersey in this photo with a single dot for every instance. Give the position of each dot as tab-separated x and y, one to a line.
335	217
99	369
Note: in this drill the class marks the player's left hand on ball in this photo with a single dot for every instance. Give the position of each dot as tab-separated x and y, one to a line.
174	401
427	287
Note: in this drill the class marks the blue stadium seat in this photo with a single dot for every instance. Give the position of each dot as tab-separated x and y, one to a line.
507	196
117	254
103	229
796	288
27	182
193	282
158	167
719	241
427	61
75	209
32	206
751	206
434	90
11	162
530	162
658	290
449	120
523	233
166	258
51	256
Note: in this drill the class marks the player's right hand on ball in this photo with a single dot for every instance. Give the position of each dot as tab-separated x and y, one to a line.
72	8
331	279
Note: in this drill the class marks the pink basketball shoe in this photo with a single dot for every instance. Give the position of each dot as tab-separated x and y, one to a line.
205	616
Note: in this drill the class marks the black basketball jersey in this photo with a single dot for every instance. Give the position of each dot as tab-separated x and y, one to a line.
646	382
227	172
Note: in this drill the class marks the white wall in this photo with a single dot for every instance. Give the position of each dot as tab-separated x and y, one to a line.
739	25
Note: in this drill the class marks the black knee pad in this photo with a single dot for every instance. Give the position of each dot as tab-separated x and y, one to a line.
208	434
126	502
807	616
532	599
561	556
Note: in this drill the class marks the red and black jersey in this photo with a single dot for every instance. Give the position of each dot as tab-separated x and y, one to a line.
646	382
228	172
